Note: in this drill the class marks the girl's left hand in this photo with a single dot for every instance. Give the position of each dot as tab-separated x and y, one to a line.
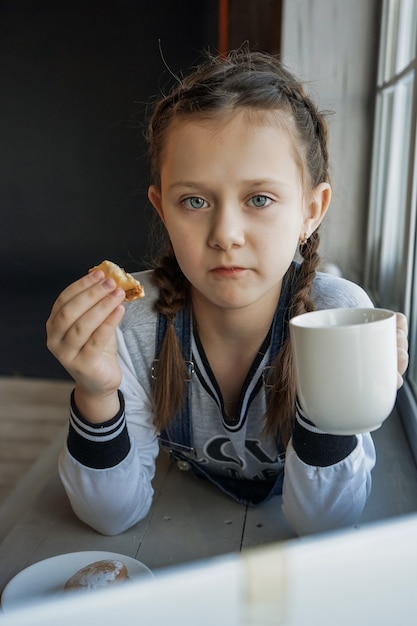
402	346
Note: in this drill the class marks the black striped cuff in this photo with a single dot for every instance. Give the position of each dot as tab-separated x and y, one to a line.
98	445
317	448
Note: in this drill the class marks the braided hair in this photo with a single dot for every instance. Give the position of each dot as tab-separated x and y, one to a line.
257	82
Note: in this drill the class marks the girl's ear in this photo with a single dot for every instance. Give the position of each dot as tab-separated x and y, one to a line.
317	208
154	196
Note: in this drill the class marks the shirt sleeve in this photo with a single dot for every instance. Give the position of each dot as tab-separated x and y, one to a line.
98	445
327	478
107	470
315	447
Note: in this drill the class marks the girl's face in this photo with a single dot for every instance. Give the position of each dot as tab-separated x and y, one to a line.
232	201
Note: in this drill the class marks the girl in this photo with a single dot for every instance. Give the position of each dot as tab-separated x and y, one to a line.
240	182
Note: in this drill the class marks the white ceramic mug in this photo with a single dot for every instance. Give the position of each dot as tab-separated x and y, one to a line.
345	367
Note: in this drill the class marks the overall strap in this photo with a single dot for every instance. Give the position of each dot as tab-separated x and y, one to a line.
178	437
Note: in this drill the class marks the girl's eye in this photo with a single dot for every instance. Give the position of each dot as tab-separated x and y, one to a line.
195	202
260	201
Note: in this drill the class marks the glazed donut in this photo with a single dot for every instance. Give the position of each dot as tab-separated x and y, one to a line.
96	575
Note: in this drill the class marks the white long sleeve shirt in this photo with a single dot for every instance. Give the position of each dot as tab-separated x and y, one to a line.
107	469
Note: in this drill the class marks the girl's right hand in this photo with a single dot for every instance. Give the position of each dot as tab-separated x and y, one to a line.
81	334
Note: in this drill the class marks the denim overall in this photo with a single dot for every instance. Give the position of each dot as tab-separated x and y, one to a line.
178	438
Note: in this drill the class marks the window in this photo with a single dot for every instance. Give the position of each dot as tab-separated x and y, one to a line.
391	275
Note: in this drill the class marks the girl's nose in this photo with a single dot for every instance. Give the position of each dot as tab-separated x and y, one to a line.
227	228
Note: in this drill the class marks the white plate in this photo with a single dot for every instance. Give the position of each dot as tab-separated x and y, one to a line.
48	577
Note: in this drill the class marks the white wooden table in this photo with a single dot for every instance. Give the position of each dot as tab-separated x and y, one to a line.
189	520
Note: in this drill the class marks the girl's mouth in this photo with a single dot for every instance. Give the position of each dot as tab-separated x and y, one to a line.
228	271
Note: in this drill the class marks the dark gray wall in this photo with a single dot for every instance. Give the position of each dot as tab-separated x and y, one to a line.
75	81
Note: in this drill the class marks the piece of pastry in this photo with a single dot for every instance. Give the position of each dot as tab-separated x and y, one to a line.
98	574
132	288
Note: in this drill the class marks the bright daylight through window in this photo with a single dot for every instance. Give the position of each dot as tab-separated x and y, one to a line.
391	246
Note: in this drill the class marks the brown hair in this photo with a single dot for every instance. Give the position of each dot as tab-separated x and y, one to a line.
256	82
